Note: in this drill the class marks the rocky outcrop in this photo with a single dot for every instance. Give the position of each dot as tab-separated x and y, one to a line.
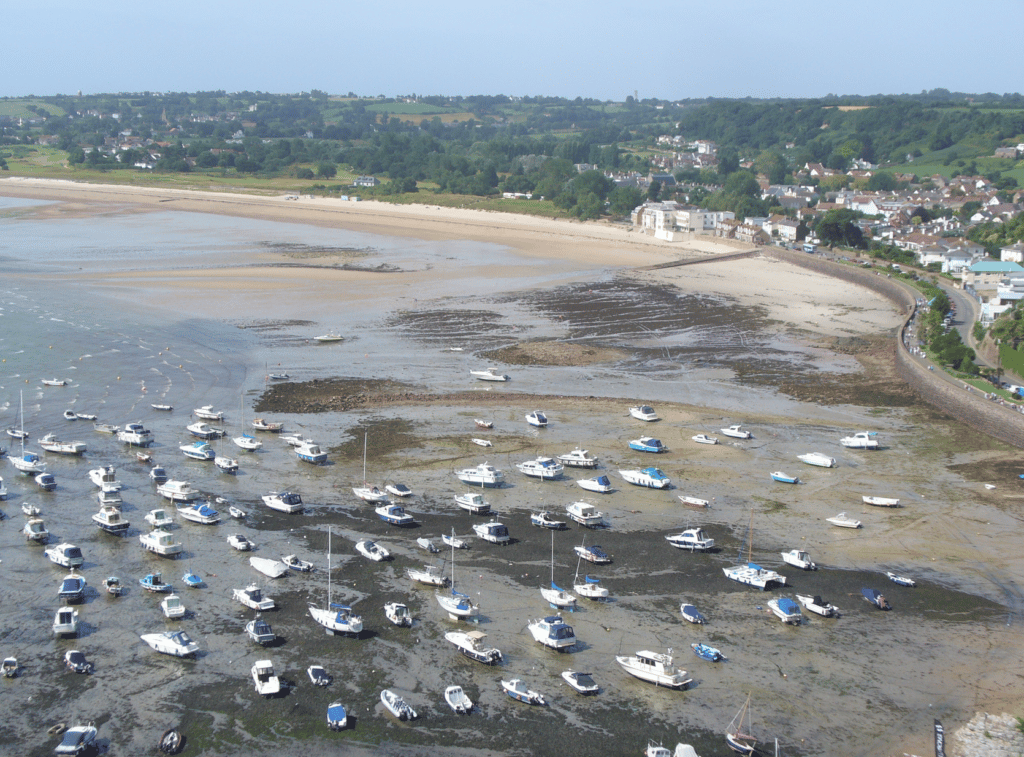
988	736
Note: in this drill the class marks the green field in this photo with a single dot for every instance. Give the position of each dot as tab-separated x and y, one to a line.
407	109
18	107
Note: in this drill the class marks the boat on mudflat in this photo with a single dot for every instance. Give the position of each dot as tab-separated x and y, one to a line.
735	432
896	578
843	521
654	667
397	706
652	478
786	610
693	539
881	501
860	440
521	693
784	478
599	484
876	598
489	375
799	559
818	459
578	458
817	605
647	444
707	653
643	413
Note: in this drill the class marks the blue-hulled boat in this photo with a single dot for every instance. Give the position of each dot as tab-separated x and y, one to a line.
782	478
395	515
705	652
154	582
192	580
647	444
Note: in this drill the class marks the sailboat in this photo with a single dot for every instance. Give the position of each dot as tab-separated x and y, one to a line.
753	574
28	463
590	587
457	604
334	617
737	736
192	579
557	597
367	492
245	441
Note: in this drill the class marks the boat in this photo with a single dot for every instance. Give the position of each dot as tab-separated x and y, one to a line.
644	413
10	667
318	675
226	464
174	643
652	478
286	502
30	510
396	705
154	582
394	515
336	618
481	442
172	606
425	542
484	475
876	598
589	587
171	742
599	484
135	435
492	531
112	585
158	474
881	501
205	431
76	662
330	336
160	542
537	418
65	622
786	610
693	539
192	580
398	614
593	554
72	588
473	503
236	512
199	512
457	604
430	575
77	740
207	413
109	519
143	457
586	515
372	550
544	520
162	407
656	668
705	652
578	458
262	424
798	559
51	443
896	578
264	679
483	424
860	440
18	433
691	614
817	605
240	542
294	440
647	444
456	698
843	522
177	491
54	382
488	375
46	481
554	595
250	443
543	468
260	631
3	490
35	530
398	490
737	735
751	573
252	597
521	693
784	478
735	432
704	439
454	541
581	682
28	463
269	567
337	718
294	563
310	452
818	459
655	749
686	499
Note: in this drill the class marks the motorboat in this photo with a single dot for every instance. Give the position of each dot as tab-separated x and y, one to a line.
543	468
473	503
482	442
735	432
544	520
752	574
30	510
537	418
192	580
876	598
177	491
578	458
240	542
398	490
586	515
294	563
318	675
599	484
843	522
10	667
330	336
54	382
158	474
72	588
264	679
161	406
784	478
286	502
488	375
818	459
369	493
250	443
334	617
236	512
799	559
35	530
881	501
202	430
77	739
260	631
647	444
397	706
51	443
398	614
207	413
135	435
430	575
738	735
310	452
691	614
471	644
519	691
817	605
693	539
226	464
485	475
652	478
172	606
65	622
252	597
294	440
268	567
372	550
644	413
154	582
66	555
110	497
199	512
654	667
171	742
456	698
581	682
394	515
160	542
198	451
704	439
706	652
46	481
686	499
480	423
786	610
112	585
896	578
493	531
3	490
860	440
593	553
552	632
337	718
262	424
454	541
109	519
425	542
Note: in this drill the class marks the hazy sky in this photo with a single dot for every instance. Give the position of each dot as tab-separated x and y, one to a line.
605	49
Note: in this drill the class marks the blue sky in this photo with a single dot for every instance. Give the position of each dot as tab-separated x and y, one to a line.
601	49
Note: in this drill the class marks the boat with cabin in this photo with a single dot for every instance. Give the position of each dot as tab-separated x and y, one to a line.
310	452
586	515
843	521
786	610
598	484
135	435
580	682
199	512
593	554
814	603
647	444
555	595
398	614
652	478
458	605
693	539
456	698
173	643
473	503
484	475
398	490
252	597
735	432
704	439
226	464
860	440
264	679
160	542
644	413
50	443
110	520
578	458
154	582
750	573
394	515
429	575
330	336
46	481
240	542
285	502
519	691
489	374
372	550
537	418
294	563
881	501
492	531
172	607
207	413
65	555
35	530
262	424
818	459
654	667
158	474
259	631
798	558
543	468
177	491
544	520
65	622
202	430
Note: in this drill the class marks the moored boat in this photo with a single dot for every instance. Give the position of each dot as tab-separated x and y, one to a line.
786	610
493	531
581	682
817	605
647	444
310	452
294	563
160	542
643	413
109	519
155	583
654	667
818	459
394	515
586	515
489	375
199	512
285	502
599	484
652	478
337	718
737	735
456	698
686	499
706	652
735	432
519	691
264	678
372	550
784	478
593	553
693	539
860	440
207	413
177	491
704	439
881	501
397	706
543	468
691	614
473	503
252	597
485	475
544	520
50	443
537	418
876	598
135	435
896	578
578	458
843	521
269	567
799	559
398	614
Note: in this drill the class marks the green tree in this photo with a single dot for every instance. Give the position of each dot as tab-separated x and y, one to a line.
837	227
654	190
728	161
326	170
882	181
624	199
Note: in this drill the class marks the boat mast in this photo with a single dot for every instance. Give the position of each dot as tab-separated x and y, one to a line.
364	458
328	569
750	540
21	398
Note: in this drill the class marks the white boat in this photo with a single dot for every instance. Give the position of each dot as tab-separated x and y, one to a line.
50	443
369	493
544	519
786	610
489	375
454	541
843	522
555	595
135	435
250	443
394	515
578	458
269	567
319	676
10	667
335	618
54	382
372	550
236	512
330	336
492	531
252	597
177	491
799	559
240	542
599	484
425	542
35	530
818	459
294	440
30	510
481	442
172	606
396	705
537	418
310	452
430	575
473	503
750	573
198	451
65	622
294	563
398	614
260	631
593	554
455	603
199	512
552	632
589	587
480	423
896	578
644	413
693	501
66	555
582	682
655	668
586	515
735	432
860	440
485	475
264	679
3	490
456	698
207	413
46	481
161	406
69	415
817	605
202	430
471	644
109	519
881	501
652	478
109	497
654	749
398	490
28	462
285	502
226	464
543	468
648	444
519	691
704	439
160	542
693	539
78	739
262	424
157	474
691	614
